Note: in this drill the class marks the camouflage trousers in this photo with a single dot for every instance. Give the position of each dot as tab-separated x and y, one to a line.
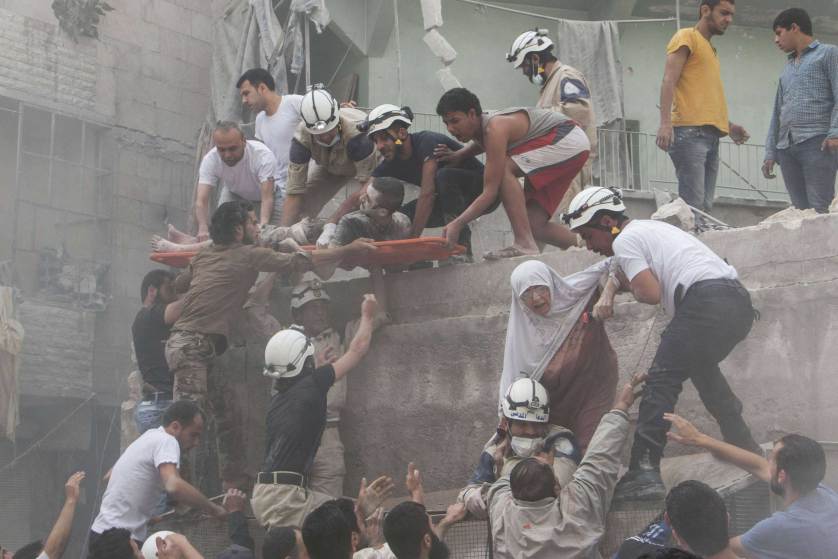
190	357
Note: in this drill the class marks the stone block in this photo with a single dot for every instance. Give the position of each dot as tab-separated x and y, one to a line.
125	27
158	94
199	53
166	14
431	13
440	46
676	213
447	79
106	92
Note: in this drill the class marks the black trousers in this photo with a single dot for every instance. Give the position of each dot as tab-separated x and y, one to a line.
711	318
456	189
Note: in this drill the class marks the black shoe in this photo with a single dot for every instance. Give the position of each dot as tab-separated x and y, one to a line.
640	485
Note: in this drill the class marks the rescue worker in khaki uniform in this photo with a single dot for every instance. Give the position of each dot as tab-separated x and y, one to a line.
563	89
328	135
524	432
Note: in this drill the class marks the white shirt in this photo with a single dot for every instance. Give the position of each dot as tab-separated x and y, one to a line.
276	132
135	485
369	553
257	165
674	256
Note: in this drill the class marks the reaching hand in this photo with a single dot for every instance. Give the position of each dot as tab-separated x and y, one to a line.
373	528
604	307
202	235
444	154
413	480
455	513
627	395
685	432
234	501
325	356
71	488
370	497
369	306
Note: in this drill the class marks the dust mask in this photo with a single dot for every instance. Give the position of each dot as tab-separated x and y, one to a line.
538	78
525	447
334	141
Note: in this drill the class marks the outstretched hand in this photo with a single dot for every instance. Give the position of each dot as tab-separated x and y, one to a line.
71	488
371	497
685	432
627	395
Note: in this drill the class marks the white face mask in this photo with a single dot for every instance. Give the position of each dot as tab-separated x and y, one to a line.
525	447
335	140
538	80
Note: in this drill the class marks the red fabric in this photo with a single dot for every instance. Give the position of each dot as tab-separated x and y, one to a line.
548	185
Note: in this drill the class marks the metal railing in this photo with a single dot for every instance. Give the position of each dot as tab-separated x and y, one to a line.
632	161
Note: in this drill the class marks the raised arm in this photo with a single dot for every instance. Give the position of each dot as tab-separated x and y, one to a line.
266	189
202	198
360	343
185	493
60	534
671	74
686	433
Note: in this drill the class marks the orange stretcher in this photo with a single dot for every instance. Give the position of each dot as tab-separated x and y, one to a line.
389	253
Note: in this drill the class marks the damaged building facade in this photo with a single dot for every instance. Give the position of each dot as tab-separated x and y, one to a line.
99	142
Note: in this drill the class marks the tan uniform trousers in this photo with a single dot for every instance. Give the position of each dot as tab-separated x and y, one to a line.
322	186
328	470
284	505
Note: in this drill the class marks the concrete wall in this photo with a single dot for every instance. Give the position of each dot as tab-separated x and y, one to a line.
427	390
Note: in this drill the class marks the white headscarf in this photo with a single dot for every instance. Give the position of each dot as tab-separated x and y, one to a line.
532	340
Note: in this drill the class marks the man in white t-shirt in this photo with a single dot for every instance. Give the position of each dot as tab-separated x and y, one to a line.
277	117
243	169
711	312
148	467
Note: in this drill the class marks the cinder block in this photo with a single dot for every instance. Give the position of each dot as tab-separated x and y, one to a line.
440	46
447	79
431	13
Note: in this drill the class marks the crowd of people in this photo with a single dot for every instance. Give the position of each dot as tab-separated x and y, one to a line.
547	477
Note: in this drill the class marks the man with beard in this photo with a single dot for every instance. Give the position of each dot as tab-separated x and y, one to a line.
409	531
444	190
216	284
807	527
693	110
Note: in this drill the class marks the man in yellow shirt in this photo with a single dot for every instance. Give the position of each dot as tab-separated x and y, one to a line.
693	108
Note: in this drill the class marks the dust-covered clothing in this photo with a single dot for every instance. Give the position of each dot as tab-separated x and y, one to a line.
218	280
150	332
352	156
486	473
566	90
550	154
358	224
571	526
135	484
699	94
245	178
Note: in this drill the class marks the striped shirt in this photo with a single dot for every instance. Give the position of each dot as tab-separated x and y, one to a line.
806	104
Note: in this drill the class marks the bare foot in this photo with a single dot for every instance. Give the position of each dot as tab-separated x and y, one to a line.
177	236
159	244
509	252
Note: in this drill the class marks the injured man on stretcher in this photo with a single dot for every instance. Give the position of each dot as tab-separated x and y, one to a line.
378	219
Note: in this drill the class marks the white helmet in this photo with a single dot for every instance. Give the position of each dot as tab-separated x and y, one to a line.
383	116
527	42
587	203
309	289
526	400
149	549
286	354
319	110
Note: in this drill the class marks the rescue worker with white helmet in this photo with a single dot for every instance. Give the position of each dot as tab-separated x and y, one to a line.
296	419
710	311
524	431
327	136
562	88
445	189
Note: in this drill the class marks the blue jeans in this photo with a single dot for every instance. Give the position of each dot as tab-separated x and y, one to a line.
809	174
695	154
149	414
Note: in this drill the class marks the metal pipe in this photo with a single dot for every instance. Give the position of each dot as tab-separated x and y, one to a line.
398	51
678	14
